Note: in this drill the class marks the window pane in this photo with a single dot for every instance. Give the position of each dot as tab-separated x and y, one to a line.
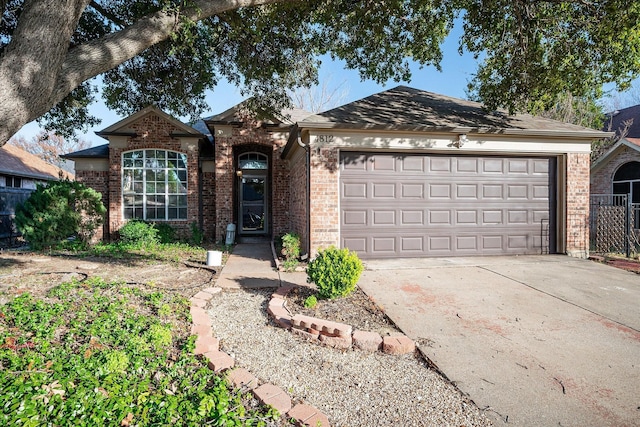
154	184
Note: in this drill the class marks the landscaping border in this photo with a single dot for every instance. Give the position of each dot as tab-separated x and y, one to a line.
219	361
334	334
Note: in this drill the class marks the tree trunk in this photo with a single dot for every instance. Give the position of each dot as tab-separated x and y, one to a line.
38	69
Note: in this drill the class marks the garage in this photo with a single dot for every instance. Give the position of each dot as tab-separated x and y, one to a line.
434	205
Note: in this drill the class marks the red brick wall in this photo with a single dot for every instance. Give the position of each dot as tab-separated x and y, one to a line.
602	179
298	222
250	137
98	181
152	132
324	199
209	206
577	236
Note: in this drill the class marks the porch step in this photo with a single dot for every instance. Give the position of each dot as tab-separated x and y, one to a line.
253	239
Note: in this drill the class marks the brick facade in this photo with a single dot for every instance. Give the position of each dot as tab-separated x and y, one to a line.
577	226
250	137
602	177
152	131
324	199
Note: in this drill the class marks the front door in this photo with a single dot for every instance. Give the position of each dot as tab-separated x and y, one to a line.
253	203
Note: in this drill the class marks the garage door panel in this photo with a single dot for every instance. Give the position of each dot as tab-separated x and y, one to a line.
398	205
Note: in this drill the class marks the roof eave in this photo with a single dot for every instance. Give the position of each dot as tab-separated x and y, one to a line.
586	134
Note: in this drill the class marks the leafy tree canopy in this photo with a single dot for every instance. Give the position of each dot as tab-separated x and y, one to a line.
169	52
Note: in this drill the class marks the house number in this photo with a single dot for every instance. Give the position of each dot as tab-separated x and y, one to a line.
325	138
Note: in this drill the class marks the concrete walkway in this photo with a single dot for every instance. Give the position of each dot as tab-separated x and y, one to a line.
251	266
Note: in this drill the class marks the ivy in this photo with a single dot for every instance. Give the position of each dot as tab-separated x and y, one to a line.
90	354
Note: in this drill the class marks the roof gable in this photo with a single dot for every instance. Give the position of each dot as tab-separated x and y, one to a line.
633	144
15	161
123	126
234	115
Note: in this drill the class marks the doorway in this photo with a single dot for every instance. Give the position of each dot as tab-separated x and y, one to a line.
253	193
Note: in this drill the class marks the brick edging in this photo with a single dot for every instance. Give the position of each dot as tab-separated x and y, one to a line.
334	334
219	361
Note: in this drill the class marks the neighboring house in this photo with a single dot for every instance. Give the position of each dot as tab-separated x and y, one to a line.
20	173
617	170
402	173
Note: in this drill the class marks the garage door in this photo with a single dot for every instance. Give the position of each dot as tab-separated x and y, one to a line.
398	205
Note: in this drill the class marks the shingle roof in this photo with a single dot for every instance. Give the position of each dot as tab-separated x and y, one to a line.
412	109
15	161
616	119
101	151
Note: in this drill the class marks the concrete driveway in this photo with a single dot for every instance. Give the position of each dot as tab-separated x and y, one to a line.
534	340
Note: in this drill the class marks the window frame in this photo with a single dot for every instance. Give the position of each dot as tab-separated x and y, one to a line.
146	179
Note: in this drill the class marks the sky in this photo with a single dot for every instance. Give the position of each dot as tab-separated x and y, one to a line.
457	70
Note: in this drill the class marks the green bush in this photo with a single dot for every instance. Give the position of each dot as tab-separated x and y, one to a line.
197	236
136	232
290	250
311	301
166	233
60	210
335	272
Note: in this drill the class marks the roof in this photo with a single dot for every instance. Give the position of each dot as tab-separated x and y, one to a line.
615	121
406	108
122	127
631	143
286	117
17	162
101	151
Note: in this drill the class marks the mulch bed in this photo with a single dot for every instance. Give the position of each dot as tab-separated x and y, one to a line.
357	310
625	264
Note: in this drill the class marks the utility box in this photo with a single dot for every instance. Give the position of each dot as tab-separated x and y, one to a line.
231	234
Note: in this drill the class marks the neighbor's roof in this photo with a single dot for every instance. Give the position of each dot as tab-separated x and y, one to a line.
409	109
631	143
615	121
17	162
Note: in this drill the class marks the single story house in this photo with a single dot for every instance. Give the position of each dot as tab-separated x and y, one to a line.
401	173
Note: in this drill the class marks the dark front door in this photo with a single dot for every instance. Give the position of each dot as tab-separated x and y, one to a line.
253	204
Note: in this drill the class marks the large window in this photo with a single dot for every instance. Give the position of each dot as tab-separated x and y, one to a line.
154	185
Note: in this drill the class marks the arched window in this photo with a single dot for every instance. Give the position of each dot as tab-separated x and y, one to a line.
154	185
253	161
627	181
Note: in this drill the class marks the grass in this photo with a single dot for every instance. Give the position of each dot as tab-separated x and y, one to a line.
100	353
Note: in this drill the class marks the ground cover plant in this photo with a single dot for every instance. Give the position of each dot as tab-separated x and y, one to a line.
94	352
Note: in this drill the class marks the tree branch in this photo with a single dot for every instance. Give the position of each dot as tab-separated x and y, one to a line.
98	56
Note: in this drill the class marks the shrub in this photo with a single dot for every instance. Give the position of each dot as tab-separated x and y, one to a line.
60	210
166	233
138	232
335	272
197	236
290	250
311	301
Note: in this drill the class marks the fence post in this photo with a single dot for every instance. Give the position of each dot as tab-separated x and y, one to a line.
627	226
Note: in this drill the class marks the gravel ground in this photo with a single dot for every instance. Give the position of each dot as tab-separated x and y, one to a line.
353	388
